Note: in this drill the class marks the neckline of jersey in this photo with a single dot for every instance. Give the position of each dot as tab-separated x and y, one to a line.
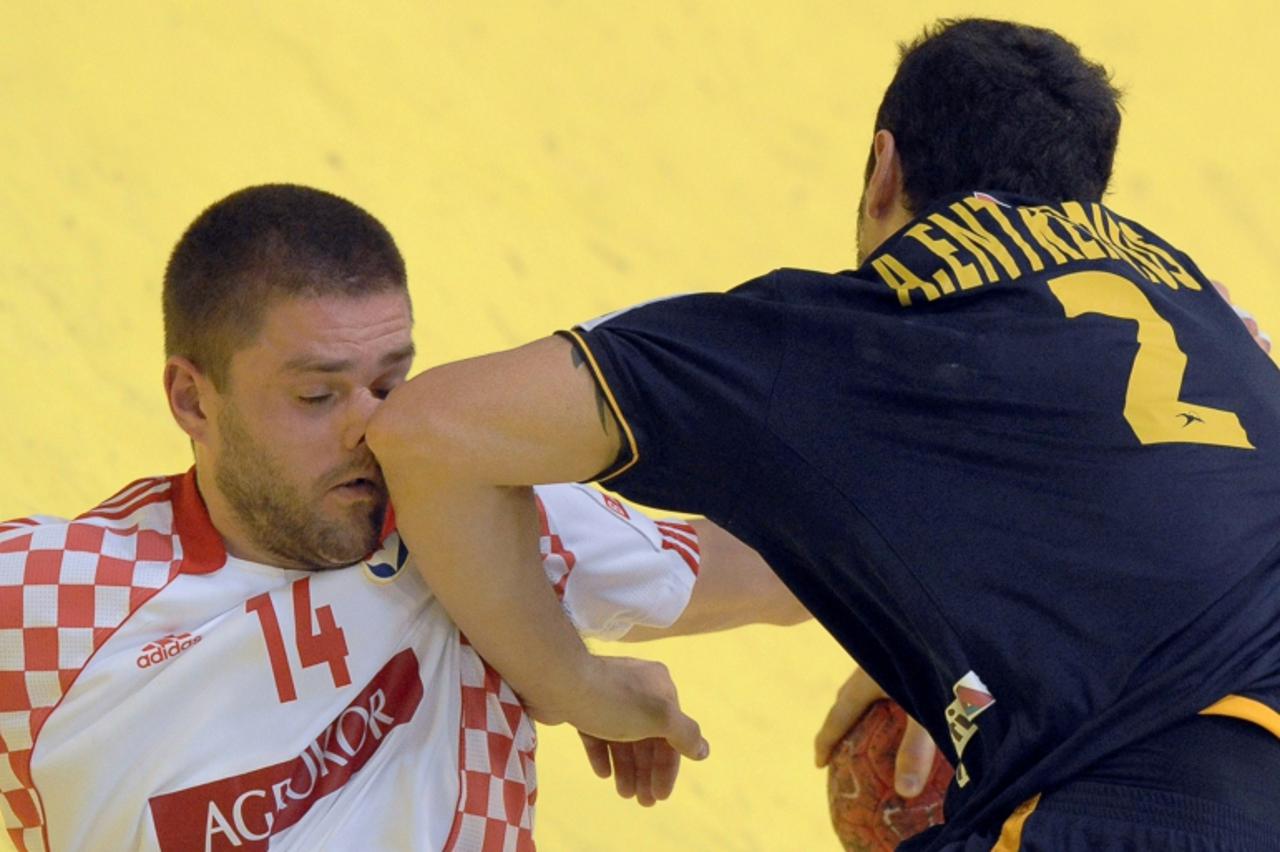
203	551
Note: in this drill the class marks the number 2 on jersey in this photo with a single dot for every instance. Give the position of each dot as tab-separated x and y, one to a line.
1152	405
326	645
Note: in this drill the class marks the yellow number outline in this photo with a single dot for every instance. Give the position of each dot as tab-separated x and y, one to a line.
1152	405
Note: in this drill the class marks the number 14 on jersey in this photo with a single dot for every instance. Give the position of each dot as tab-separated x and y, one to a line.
321	642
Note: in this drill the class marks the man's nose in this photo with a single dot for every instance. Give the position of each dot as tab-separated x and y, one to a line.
363	404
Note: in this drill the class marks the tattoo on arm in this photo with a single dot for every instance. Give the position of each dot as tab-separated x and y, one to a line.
602	404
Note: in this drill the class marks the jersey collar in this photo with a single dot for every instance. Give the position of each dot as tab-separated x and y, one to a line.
388	524
202	549
893	241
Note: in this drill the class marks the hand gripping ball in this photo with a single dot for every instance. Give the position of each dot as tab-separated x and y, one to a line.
867	814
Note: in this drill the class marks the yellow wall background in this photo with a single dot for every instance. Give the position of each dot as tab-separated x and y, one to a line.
539	163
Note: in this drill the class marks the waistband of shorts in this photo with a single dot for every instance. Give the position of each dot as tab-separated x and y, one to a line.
1206	774
1211	820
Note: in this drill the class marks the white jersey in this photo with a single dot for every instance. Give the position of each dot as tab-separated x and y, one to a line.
157	694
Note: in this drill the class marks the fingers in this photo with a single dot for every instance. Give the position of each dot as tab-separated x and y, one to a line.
624	768
666	767
645	770
597	754
656	765
637	701
685	735
680	730
646	752
637	732
914	761
852	700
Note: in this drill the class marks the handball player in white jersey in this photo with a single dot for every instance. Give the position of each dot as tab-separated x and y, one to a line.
244	656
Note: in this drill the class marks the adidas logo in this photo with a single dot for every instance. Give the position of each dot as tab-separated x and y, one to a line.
154	653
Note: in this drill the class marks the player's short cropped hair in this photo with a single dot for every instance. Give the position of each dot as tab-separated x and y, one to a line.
258	245
992	105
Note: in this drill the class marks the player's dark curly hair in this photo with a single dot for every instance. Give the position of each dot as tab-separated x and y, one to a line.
260	244
992	105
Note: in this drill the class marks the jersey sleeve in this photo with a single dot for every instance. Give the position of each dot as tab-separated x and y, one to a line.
612	566
20	526
689	380
65	587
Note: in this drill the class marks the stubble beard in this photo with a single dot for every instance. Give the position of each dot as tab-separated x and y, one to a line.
279	517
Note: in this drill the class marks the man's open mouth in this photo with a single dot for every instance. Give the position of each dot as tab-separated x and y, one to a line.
360	485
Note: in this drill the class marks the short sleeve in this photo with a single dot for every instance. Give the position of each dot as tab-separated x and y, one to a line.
612	566
689	380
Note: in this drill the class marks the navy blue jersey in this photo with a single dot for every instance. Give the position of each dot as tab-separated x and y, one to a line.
1024	464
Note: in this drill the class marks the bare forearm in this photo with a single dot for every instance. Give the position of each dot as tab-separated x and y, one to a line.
450	469
510	615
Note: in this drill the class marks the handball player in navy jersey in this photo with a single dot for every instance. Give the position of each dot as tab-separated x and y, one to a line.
1023	462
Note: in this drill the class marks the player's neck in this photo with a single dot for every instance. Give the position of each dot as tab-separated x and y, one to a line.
237	541
875	230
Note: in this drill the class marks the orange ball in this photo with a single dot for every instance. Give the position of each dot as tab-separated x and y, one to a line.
867	814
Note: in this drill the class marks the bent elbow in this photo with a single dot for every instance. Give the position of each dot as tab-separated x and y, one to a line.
409	424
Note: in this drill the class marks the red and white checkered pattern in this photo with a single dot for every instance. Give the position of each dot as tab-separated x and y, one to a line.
557	560
65	587
498	784
69	596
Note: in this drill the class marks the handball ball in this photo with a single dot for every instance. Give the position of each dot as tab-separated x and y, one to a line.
867	814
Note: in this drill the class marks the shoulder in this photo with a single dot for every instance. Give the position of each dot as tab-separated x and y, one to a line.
131	532
65	587
127	508
50	567
781	282
705	306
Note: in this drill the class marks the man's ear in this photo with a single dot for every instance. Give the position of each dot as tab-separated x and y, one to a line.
189	392
885	194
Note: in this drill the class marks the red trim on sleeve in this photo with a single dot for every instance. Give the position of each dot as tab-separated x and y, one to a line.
683	533
119	514
683	540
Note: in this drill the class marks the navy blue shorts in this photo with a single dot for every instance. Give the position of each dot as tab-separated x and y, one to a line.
1210	784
